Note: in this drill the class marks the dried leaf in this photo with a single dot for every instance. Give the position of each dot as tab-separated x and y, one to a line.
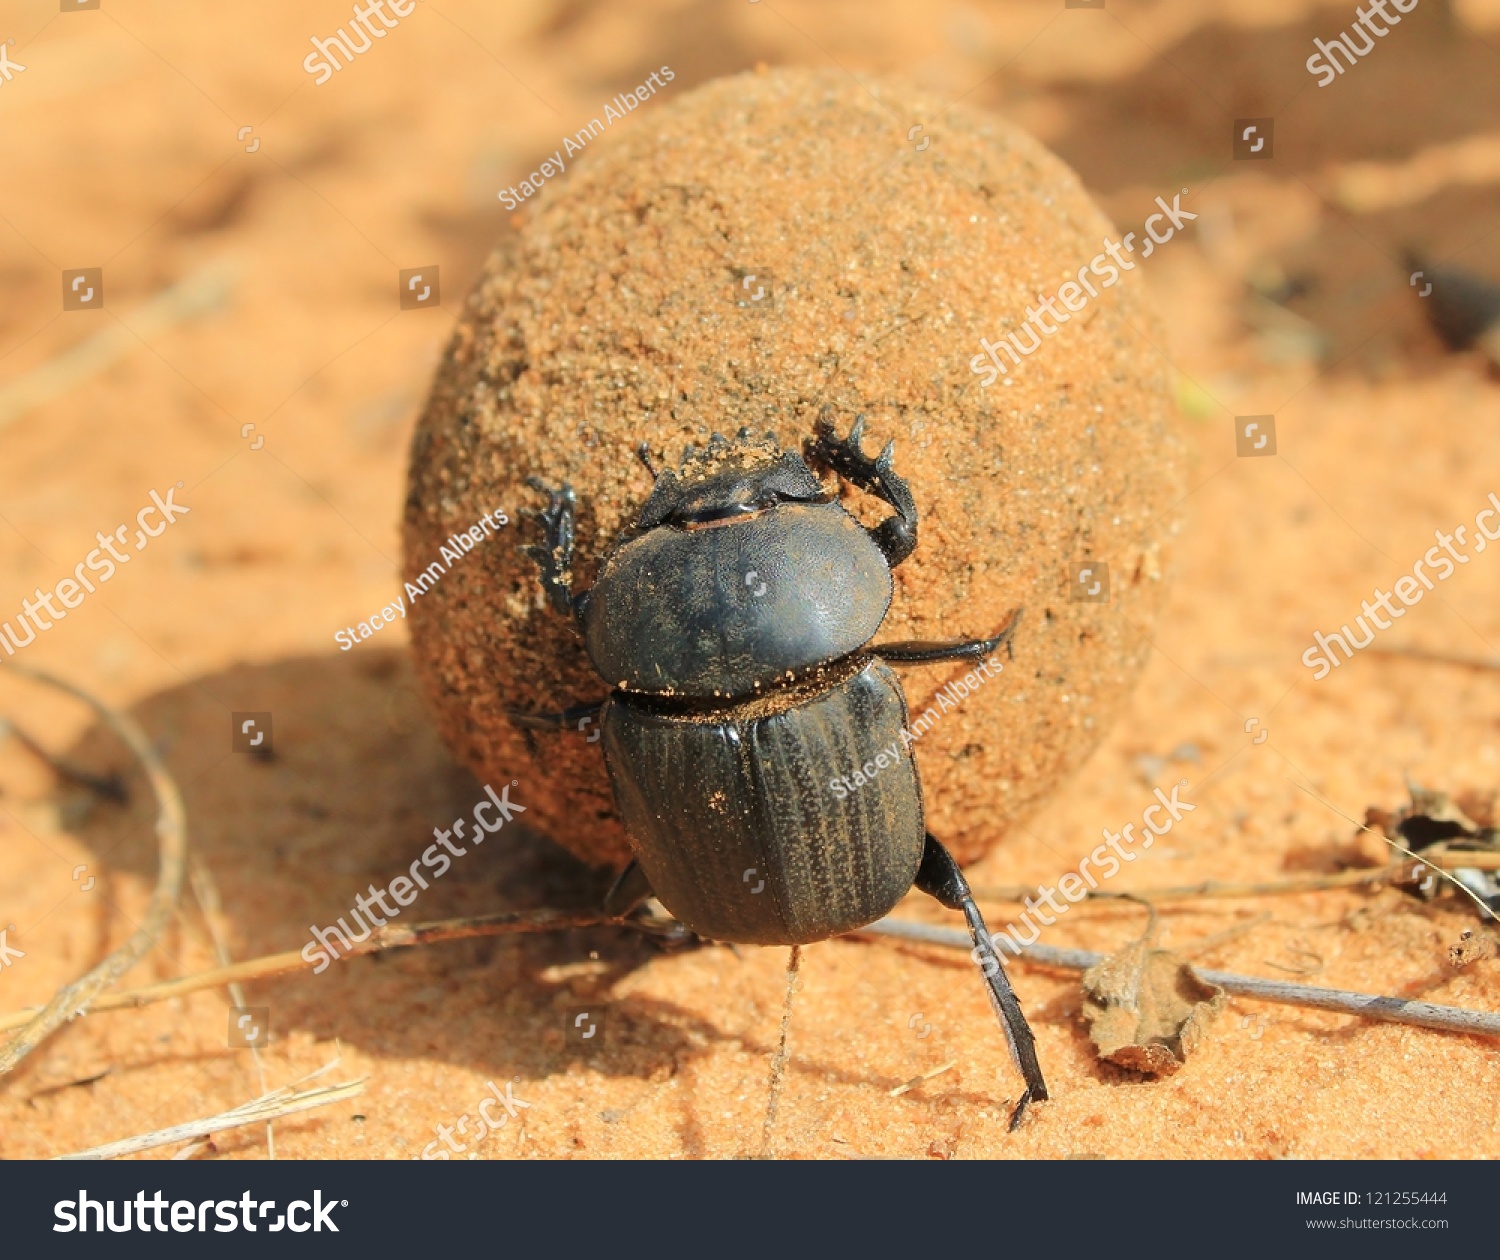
1437	826
1147	1009
1472	949
1435	818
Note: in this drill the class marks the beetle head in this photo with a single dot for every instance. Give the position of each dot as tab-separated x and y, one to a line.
729	479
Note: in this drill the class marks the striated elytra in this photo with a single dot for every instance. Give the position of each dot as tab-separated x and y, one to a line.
734	623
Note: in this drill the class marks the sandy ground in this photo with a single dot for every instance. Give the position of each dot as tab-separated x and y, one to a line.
121	140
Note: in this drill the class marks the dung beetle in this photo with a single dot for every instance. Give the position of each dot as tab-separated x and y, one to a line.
733	622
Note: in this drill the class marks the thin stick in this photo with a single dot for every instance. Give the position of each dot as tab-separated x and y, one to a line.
1451	860
206	290
1415	857
779	1059
389	937
212	908
1439	658
266	1108
109	786
1370	1006
171	831
920	1080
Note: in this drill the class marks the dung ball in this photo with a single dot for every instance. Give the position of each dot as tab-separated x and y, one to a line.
766	251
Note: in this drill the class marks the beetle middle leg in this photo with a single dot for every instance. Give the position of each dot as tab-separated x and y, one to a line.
919	652
940	877
896	536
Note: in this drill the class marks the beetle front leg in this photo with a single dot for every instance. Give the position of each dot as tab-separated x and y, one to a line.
578	718
554	557
896	536
939	877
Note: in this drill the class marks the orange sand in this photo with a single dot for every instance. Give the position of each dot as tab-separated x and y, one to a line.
120	137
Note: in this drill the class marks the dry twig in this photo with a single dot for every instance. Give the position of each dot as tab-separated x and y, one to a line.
392	936
1368	1005
266	1108
171	830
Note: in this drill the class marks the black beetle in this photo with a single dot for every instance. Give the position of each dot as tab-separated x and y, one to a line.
734	622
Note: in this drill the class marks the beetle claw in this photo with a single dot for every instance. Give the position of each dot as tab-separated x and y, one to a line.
896	536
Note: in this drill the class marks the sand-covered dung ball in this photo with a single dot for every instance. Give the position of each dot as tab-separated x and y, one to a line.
764	251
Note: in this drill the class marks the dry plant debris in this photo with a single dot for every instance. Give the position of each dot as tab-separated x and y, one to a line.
1449	832
1147	1009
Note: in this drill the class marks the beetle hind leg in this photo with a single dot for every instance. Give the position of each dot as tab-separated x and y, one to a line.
896	536
940	878
625	898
